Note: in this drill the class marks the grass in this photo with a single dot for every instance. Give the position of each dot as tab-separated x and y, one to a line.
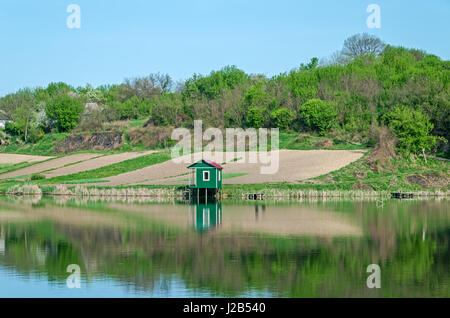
44	147
83	181
233	175
114	169
295	141
9	167
355	177
390	178
138	122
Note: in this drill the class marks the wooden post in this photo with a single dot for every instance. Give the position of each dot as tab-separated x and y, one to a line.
424	156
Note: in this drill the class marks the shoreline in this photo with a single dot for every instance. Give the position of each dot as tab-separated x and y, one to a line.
177	192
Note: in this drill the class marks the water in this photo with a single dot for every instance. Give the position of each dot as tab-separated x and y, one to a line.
237	249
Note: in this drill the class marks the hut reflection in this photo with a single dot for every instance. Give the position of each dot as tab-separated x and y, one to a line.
206	217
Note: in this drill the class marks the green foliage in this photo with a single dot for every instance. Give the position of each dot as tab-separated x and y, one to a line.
44	146
13	129
311	65
213	85
256	95
167	111
59	88
257	116
412	128
282	117
319	115
65	111
351	93
37	177
134	108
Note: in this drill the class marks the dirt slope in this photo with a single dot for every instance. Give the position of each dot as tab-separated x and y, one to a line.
16	158
95	163
50	164
294	165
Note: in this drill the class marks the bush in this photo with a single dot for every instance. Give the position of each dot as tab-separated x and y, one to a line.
167	111
12	129
65	111
134	108
412	128
37	177
319	115
35	134
282	117
257	116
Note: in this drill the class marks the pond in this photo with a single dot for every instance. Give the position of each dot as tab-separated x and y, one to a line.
51	246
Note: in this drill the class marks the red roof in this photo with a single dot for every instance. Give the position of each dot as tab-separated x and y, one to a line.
208	162
214	164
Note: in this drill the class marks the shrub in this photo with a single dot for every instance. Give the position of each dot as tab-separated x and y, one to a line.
412	128
256	116
37	177
282	117
65	111
12	129
319	115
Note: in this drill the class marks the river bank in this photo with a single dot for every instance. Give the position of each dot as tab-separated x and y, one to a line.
177	192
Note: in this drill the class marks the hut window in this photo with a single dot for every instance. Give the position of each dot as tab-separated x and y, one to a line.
219	174
205	175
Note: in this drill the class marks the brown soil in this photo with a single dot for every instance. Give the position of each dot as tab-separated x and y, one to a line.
384	150
149	136
94	141
359	185
15	158
327	143
429	180
294	165
51	164
95	163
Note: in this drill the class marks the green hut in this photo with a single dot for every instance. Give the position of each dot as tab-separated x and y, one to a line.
206	178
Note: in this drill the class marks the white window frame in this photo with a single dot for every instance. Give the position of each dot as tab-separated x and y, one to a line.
209	175
220	174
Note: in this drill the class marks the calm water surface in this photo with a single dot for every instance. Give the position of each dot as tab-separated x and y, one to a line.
264	249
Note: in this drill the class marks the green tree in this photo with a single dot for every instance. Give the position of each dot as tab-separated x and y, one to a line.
412	128
24	113
257	116
65	111
59	88
282	117
319	115
256	95
213	85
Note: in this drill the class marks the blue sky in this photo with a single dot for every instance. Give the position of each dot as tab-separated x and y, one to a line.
120	39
